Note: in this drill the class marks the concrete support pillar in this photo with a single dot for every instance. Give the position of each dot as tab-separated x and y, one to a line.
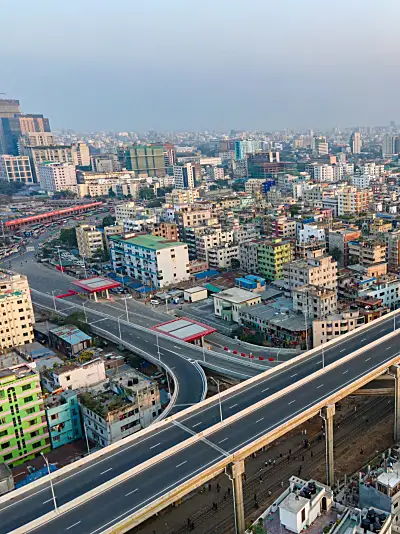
328	413
395	370
107	295
235	472
95	296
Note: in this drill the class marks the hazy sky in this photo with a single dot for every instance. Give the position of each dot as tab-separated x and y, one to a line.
217	64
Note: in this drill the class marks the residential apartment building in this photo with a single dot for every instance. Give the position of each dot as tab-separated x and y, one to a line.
281	227
12	128
90	240
221	257
314	302
318	269
145	160
386	288
335	325
153	260
392	240
245	233
355	143
63	418
210	238
182	196
319	146
189	217
361	181
229	303
168	231
122	406
55	177
272	256
108	231
125	211
248	257
338	243
16	323
74	375
352	200
16	169
367	252
23	427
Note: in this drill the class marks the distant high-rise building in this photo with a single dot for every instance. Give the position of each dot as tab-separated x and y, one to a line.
185	175
169	154
8	108
16	169
144	159
80	155
319	146
12	128
355	143
390	145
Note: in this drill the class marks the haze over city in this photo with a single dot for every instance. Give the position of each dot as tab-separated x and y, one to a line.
185	65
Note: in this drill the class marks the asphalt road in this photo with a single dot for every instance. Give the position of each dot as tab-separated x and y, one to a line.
129	496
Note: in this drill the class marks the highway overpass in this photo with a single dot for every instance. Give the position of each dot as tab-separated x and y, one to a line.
119	487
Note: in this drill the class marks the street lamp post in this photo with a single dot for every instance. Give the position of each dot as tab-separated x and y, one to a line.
54	299
84	311
51	481
219	397
84	264
323	356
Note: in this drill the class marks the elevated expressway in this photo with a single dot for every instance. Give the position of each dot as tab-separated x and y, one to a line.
119	487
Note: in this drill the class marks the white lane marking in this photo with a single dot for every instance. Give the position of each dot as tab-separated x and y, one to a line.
292	376
264	390
259	420
182	463
48	500
233	406
320	386
106	471
154	446
383	330
344	372
388	348
342	350
197	424
363	339
291	402
128	512
367	360
222	440
74	525
130	493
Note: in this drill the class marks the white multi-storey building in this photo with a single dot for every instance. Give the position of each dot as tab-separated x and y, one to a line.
125	211
153	260
55	177
361	181
323	173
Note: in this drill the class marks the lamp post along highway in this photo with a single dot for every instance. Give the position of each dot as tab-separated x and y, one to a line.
219	397
51	481
86	437
59	258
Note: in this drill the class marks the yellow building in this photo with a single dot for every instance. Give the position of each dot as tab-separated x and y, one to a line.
90	240
17	318
272	255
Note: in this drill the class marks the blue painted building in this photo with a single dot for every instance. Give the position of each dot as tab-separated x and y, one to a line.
63	418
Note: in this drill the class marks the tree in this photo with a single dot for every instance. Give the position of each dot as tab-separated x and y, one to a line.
68	237
101	255
162	191
77	319
10	188
336	254
65	194
108	220
147	193
294	210
111	193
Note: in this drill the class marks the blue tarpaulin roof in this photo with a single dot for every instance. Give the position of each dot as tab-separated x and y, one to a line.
206	274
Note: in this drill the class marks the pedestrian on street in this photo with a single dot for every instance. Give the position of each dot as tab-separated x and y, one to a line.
282	484
218	488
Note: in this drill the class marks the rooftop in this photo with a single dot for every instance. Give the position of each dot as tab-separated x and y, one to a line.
184	329
70	334
150	242
236	295
96	283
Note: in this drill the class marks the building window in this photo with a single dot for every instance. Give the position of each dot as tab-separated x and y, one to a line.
26	386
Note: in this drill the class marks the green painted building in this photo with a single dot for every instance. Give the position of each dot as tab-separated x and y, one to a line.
23	425
144	159
271	257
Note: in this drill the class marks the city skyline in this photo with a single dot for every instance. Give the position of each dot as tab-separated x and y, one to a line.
186	68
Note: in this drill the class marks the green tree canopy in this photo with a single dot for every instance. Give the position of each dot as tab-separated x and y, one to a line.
68	237
108	220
